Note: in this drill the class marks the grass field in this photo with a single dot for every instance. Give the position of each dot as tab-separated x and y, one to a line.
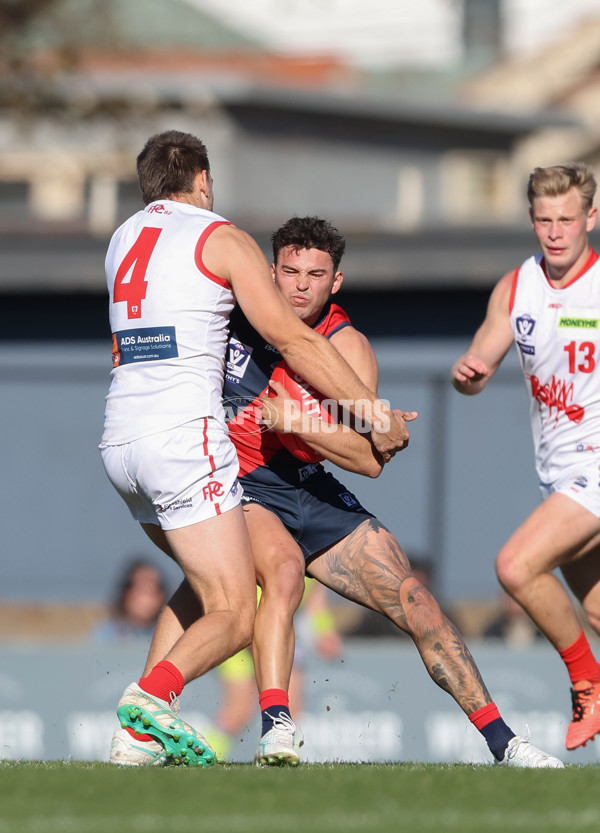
97	798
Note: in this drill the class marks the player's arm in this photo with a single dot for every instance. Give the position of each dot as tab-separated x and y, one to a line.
492	341
233	255
340	443
337	442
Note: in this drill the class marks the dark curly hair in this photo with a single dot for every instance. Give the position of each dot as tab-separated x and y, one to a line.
309	233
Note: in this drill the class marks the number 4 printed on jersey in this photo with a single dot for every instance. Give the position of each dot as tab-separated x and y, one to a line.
130	281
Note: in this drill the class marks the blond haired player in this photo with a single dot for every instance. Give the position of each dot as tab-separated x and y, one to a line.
550	308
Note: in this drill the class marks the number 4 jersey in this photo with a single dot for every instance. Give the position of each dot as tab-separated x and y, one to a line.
557	333
169	319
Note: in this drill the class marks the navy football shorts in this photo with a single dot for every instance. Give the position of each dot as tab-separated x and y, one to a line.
314	507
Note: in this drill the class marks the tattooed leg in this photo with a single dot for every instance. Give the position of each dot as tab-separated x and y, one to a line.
369	567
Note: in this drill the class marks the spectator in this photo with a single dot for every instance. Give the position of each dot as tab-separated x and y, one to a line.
139	598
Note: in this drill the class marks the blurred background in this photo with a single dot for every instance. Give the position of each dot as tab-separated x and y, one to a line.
412	127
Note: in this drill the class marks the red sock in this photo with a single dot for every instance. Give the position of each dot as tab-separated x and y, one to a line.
580	661
273	697
160	682
495	731
164	679
484	715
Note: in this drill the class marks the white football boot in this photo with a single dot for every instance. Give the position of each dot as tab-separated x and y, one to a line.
276	747
125	751
520	752
149	715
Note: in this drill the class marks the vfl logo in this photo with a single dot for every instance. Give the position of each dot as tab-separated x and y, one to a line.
237	360
306	471
213	490
348	499
525	325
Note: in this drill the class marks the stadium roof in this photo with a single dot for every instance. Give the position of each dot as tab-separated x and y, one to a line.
126	24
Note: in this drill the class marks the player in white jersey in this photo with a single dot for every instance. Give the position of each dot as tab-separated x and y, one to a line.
174	271
557	333
550	308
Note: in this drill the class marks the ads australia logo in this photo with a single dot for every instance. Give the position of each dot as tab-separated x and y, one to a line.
525	326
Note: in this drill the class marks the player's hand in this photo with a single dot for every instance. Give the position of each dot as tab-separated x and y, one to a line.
390	434
467	371
278	409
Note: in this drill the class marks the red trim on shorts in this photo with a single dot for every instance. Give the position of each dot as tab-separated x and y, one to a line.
513	291
211	459
198	253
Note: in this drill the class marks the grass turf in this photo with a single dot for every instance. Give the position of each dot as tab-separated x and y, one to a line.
59	797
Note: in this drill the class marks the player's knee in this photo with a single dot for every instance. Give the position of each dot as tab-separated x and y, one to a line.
285	579
243	626
592	613
511	571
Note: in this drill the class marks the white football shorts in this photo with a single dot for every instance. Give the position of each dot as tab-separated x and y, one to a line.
178	477
581	483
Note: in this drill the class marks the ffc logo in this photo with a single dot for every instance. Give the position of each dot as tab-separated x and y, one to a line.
157	209
213	490
525	325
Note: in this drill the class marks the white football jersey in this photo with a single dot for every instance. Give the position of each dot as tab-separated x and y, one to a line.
557	334
169	319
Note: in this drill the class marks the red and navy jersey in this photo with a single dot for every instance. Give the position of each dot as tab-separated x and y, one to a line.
250	362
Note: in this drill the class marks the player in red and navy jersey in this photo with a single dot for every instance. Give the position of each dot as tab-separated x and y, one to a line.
301	518
550	308
174	271
303	521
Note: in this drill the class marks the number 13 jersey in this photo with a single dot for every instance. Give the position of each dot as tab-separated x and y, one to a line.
169	319
557	334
